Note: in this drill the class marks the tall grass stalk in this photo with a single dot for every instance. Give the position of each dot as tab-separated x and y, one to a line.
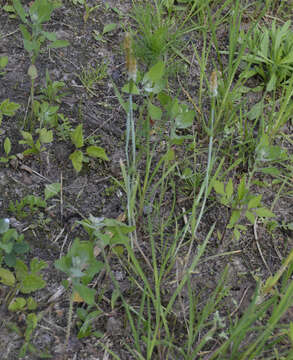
130	176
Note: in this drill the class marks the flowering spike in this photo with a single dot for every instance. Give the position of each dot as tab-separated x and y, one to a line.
214	83
130	59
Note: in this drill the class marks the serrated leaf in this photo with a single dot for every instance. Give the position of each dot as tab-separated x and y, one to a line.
31	303
264	212
52	190
17	304
37	265
254	202
97	152
46	136
32	72
76	158
219	187
77	136
7	277
31	283
8	108
154	111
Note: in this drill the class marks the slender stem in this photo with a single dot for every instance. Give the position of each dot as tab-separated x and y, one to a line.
69	321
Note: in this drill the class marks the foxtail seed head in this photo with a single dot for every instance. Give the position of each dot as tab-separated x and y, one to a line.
130	59
214	83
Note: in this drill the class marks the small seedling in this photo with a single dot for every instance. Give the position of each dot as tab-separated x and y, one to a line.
36	147
7	150
93	75
52	92
29	205
80	265
78	157
45	114
39	13
8	108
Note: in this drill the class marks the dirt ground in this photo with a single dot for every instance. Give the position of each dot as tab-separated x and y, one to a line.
93	191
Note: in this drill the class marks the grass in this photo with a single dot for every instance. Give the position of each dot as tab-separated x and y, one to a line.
190	152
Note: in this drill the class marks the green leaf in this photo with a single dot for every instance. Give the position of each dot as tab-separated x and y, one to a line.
229	189
32	72
3	61
59	44
8	108
20	10
7	146
185	119
51	36
37	265
17	304
270	170
250	216
7	277
85	292
97	152
115	295
134	89
219	187
254	202
77	157
109	27
46	136
154	111
237	234
242	188
31	283
77	136
52	190
40	11
256	111
264	212
234	218
155	73
271	85
25	33
31	303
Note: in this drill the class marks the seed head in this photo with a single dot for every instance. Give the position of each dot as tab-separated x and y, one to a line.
130	58
214	83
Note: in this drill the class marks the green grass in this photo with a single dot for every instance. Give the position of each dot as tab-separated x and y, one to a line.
223	147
